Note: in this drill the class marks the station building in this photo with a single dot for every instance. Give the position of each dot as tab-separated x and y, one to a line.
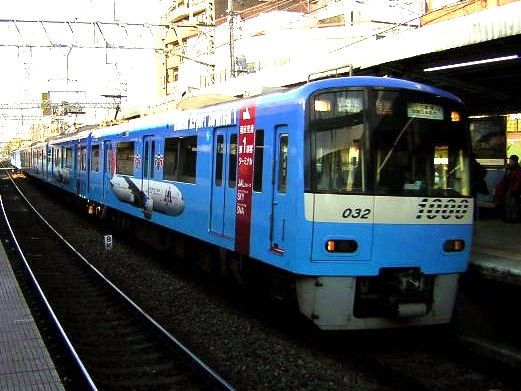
469	47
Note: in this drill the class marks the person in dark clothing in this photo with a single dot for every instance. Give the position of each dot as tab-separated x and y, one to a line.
508	191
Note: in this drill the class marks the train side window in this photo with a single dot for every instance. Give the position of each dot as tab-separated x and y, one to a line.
232	171
187	159
259	160
55	157
180	159
148	159
68	157
219	158
95	158
170	159
83	158
152	157
125	158
108	158
283	163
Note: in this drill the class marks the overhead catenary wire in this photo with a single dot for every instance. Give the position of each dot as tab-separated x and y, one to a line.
38	105
150	28
79	22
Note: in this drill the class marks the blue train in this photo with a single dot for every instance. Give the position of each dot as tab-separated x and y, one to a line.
352	193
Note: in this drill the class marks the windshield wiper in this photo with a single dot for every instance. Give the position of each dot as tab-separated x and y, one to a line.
394	144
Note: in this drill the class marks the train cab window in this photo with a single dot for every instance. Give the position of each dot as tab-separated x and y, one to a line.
259	160
420	149
232	164
68	158
125	158
337	121
95	158
180	159
338	159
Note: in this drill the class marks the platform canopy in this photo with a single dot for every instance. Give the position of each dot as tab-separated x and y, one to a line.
477	57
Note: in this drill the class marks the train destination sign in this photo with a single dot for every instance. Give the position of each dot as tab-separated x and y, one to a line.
424	110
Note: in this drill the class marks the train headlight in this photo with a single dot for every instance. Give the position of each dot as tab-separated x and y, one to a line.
455	116
341	246
454	245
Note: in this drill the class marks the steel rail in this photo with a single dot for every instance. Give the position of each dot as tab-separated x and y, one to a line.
214	376
48	306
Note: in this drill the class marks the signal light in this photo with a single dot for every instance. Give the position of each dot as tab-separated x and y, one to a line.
454	245
330	246
455	116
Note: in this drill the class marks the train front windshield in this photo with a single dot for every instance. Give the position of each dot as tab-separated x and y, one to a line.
388	142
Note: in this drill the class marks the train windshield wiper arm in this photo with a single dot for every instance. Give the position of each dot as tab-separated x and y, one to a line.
406	126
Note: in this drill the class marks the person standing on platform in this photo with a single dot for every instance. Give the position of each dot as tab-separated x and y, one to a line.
508	191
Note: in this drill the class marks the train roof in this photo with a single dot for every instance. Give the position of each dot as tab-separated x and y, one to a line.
76	136
373	81
293	95
146	122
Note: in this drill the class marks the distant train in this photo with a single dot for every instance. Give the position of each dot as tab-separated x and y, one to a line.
351	194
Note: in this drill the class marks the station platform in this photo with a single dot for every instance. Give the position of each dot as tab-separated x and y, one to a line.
496	251
483	317
25	363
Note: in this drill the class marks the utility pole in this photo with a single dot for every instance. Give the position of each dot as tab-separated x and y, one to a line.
231	15
209	21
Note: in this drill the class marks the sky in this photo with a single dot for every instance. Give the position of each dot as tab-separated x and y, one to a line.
85	73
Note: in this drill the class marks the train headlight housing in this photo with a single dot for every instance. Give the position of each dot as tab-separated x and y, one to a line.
341	246
454	245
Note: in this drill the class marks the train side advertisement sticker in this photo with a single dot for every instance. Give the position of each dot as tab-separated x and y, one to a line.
245	159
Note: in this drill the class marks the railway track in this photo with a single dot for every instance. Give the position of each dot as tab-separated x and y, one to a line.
290	356
422	360
118	345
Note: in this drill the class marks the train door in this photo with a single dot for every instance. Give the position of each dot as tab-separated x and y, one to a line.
82	170
279	200
148	153
109	167
147	174
42	156
224	171
76	168
48	162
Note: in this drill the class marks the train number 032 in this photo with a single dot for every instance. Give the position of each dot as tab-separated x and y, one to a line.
356	213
